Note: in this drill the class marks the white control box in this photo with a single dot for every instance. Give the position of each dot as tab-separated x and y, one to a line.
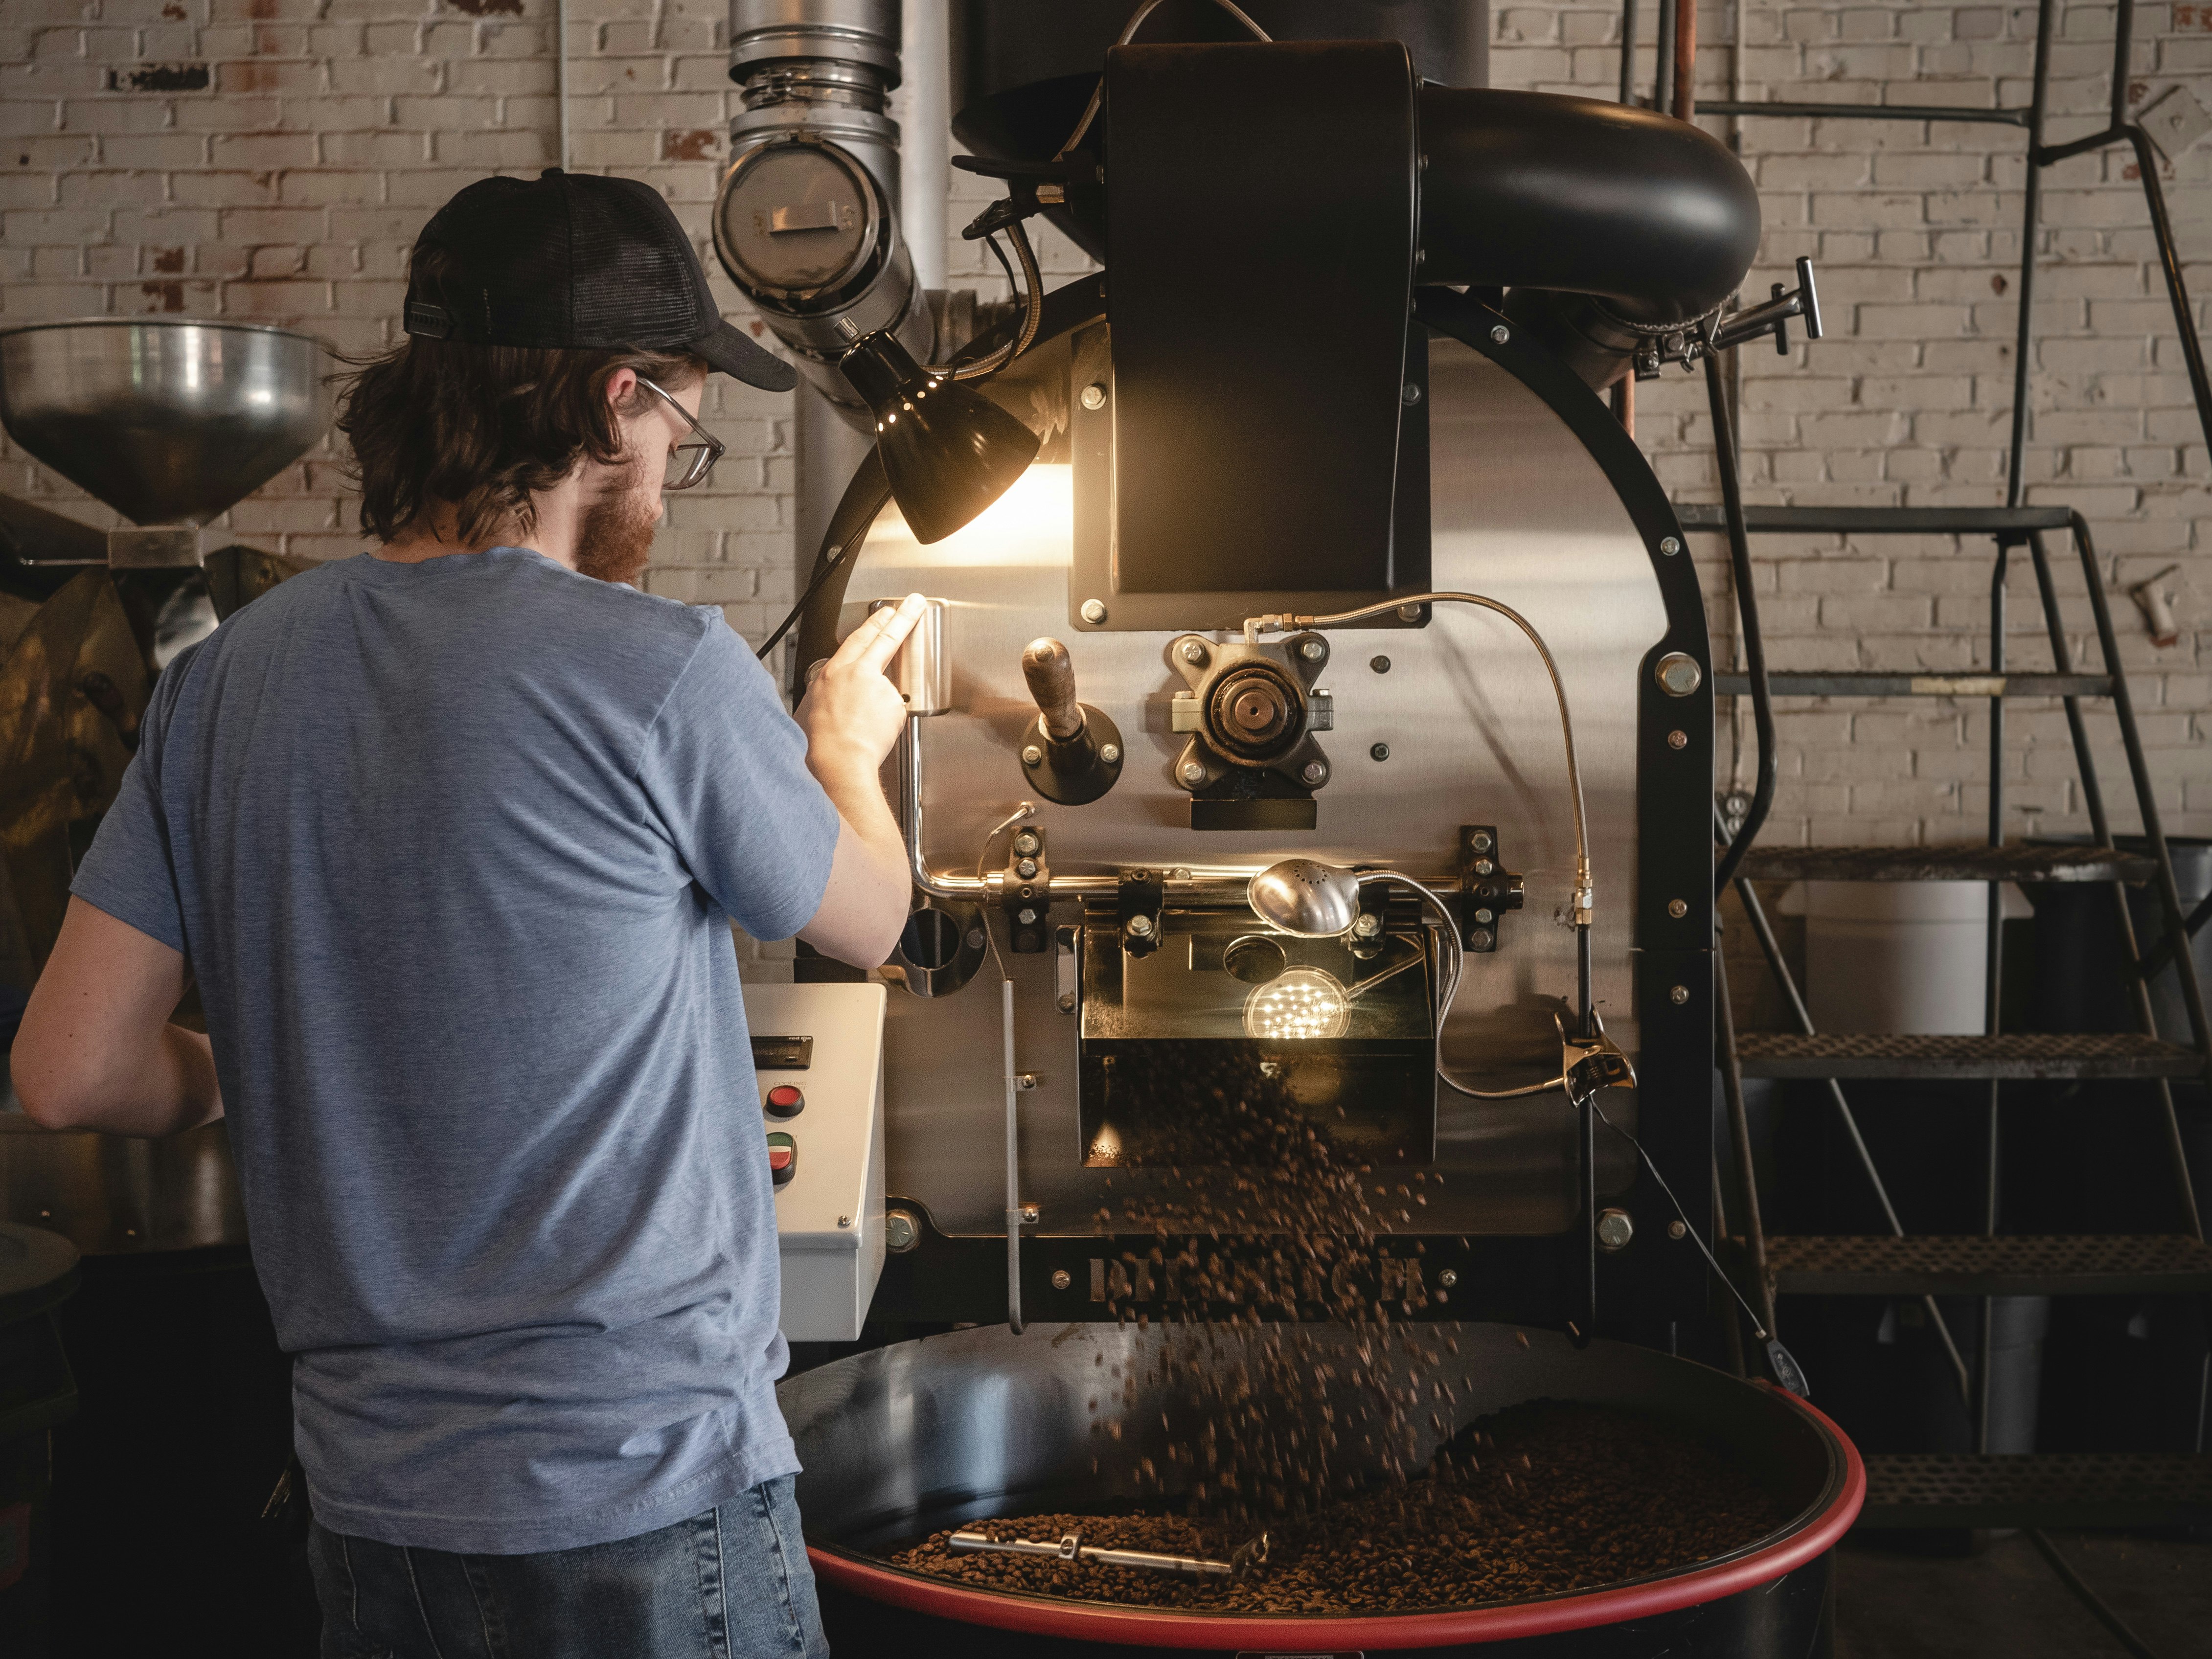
818	1050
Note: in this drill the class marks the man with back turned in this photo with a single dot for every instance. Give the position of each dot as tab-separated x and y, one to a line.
451	835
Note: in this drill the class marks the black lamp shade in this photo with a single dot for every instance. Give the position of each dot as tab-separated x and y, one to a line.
949	452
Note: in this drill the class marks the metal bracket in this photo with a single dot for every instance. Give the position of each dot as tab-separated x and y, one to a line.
1368	940
1718	332
1028	889
1137	905
1229	773
1487	889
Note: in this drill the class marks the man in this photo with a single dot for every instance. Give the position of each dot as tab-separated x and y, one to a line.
451	835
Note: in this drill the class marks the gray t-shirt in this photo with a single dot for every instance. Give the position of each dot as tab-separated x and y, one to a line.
452	849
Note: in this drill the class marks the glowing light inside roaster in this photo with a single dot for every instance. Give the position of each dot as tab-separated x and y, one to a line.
1303	1004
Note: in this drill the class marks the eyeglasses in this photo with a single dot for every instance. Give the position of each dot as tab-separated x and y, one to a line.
689	463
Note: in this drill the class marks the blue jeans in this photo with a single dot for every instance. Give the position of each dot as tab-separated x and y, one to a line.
732	1584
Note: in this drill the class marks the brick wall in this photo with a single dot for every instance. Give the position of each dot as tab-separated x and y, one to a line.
1915	231
271	160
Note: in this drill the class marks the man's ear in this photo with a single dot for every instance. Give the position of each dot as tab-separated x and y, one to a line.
621	387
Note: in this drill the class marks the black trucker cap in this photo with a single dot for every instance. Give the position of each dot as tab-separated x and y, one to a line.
579	260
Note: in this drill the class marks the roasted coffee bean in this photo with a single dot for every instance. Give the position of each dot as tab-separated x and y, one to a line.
1615	1496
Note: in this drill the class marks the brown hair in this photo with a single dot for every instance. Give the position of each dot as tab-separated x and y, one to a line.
484	428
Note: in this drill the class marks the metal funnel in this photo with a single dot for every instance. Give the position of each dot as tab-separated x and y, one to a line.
166	420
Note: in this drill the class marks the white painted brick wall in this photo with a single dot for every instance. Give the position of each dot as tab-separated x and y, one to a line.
288	188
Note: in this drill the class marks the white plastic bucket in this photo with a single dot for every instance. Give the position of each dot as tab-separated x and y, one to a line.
1897	955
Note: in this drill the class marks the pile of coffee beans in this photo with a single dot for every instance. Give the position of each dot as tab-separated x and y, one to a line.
1535	1500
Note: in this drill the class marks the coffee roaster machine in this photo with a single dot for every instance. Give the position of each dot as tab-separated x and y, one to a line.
1315	699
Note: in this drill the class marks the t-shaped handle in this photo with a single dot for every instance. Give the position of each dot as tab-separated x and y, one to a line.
1051	674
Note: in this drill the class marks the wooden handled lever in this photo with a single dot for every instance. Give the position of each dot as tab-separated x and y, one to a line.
1051	674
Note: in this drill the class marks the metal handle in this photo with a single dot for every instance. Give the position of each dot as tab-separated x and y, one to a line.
1773	317
1072	1548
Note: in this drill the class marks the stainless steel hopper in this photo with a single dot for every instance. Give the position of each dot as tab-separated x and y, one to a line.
166	420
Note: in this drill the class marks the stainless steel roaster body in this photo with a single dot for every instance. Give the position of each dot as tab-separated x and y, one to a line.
1534	497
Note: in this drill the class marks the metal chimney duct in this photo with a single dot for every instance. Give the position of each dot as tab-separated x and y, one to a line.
806	222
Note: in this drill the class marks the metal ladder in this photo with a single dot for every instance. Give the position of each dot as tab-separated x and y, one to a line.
1981	1489
1985	1489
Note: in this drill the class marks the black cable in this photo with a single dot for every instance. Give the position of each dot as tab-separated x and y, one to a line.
822	569
1013	282
1754	644
2089	1598
1783	1363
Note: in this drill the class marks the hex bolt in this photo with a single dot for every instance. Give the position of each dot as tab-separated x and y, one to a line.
1312	771
1111	753
1448	1277
1026	1080
1500	335
1480	939
844	1221
1484	917
1313	651
899	1230
1411	613
1678	996
1479	840
1379	751
1060	1281
1194	652
1483	866
1409	394
1029	1215
1614	1229
1670	545
1025	916
1140	927
1679	674
1192	772
1026	843
1366	925
1380	664
1678	1230
1026	869
1094	396
1677	908
1094	611
1032	756
1678	739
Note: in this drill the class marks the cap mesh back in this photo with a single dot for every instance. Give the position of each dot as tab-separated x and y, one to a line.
569	259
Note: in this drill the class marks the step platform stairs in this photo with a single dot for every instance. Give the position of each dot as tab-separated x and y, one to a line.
1982	1489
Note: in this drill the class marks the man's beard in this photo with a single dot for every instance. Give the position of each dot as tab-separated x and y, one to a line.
614	543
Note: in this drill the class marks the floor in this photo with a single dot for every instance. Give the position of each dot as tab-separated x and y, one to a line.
2007	1601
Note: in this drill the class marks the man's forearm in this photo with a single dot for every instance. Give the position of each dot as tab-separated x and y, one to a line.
856	790
866	904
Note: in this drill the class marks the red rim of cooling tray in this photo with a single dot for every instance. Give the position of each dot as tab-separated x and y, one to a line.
1094	1621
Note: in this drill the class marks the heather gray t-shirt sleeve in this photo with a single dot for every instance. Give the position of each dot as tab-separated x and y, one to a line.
727	772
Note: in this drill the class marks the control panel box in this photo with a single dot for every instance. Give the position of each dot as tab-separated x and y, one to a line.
818	1051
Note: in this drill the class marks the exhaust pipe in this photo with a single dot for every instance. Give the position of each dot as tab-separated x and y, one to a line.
1611	226
807	220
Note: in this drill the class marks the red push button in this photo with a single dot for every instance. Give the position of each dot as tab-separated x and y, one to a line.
786	1100
782	1159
